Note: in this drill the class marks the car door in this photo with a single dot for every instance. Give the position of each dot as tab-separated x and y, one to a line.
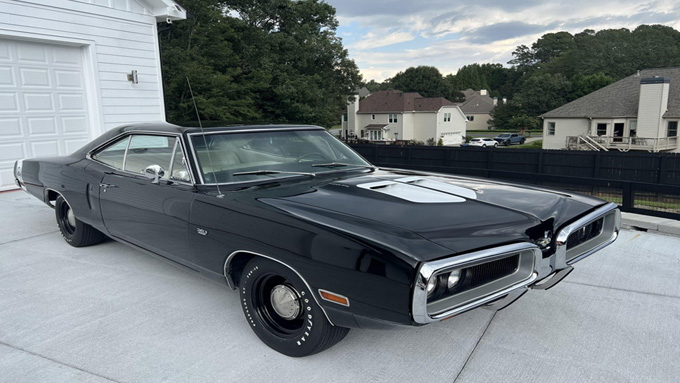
149	213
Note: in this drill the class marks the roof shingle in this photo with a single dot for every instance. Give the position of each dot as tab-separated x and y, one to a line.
396	101
621	98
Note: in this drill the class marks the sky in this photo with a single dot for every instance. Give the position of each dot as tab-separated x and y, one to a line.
385	37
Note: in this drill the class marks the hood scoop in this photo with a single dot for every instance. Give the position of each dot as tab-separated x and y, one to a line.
420	190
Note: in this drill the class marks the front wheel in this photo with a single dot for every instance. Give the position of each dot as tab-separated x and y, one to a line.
282	312
495	145
75	232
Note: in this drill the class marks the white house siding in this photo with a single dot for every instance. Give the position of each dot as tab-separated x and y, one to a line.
564	127
104	40
425	126
479	121
451	132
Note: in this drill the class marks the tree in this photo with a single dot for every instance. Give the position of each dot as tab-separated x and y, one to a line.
278	61
543	92
552	45
426	80
585	84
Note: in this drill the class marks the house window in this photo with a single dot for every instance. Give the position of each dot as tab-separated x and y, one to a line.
375	135
471	118
344	117
363	134
672	129
447	117
633	128
601	129
393	118
372	116
551	129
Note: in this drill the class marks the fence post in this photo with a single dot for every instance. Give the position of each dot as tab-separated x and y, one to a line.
663	167
627	202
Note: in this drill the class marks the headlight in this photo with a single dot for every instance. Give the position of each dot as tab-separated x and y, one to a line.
432	284
454	278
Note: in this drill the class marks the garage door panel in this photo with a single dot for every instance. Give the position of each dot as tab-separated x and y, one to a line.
10	151
9	102
74	125
72	145
71	102
38	102
42	126
31	53
7	76
11	128
4	51
43	103
45	148
68	79
66	57
33	77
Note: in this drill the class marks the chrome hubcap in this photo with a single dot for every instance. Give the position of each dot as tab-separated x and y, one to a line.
286	302
71	218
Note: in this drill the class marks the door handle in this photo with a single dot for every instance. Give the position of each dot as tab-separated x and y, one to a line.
106	186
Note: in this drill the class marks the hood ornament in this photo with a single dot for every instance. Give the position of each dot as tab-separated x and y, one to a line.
544	243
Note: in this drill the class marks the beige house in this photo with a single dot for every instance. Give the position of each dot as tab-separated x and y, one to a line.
392	115
639	112
477	108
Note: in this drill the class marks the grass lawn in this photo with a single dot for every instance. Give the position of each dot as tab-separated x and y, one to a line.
530	145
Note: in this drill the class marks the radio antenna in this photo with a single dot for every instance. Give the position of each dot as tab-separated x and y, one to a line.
205	142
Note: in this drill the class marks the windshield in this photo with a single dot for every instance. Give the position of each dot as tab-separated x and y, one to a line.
257	155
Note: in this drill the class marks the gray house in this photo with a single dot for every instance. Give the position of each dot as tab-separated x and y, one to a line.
639	112
477	108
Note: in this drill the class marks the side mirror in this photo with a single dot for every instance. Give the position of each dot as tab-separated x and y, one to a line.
154	173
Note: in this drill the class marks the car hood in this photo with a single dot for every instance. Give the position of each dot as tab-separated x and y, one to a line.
431	216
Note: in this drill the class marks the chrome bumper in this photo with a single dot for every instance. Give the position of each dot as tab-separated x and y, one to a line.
547	272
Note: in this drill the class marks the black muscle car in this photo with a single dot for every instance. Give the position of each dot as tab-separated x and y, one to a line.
316	239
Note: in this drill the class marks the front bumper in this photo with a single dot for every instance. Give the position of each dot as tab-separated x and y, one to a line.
542	274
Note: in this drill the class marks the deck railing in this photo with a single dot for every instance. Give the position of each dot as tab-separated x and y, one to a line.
623	144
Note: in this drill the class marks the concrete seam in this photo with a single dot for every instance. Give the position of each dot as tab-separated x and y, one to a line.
23	239
475	348
624	290
58	362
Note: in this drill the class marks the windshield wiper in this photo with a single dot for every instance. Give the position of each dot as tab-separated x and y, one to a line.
267	172
341	164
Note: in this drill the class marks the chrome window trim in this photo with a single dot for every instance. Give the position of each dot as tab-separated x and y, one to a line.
563	235
230	282
427	269
267	129
146	133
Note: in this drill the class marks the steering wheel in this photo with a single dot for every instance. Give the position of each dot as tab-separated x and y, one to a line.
312	154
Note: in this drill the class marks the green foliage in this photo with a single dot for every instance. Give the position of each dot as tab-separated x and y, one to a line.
426	80
542	92
440	142
430	142
279	61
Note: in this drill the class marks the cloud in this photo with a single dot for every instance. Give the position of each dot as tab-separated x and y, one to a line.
377	40
388	36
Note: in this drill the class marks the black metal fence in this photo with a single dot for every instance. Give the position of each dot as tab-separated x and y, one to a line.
644	183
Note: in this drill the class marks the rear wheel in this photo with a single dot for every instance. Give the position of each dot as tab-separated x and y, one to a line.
282	311
75	232
522	142
484	145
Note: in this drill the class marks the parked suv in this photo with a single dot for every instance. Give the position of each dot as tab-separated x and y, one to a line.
510	138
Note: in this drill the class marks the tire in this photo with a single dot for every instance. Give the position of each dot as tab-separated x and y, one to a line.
521	142
484	145
495	145
75	232
302	329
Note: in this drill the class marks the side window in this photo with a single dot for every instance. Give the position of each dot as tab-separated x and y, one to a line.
113	155
178	171
145	151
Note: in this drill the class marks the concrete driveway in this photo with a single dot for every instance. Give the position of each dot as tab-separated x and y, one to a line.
109	313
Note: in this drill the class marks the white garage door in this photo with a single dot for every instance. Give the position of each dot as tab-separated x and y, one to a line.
43	103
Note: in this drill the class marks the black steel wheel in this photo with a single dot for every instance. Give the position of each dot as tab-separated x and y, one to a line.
75	232
522	142
282	312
